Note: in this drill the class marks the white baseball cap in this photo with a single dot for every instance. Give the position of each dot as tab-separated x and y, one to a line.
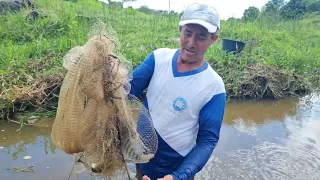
201	14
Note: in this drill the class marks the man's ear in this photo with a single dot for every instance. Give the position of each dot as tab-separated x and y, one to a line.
214	38
180	28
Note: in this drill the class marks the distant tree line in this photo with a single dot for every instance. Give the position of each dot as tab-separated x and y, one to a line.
144	9
278	9
293	9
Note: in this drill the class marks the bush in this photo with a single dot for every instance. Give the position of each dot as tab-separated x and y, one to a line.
314	7
293	9
252	13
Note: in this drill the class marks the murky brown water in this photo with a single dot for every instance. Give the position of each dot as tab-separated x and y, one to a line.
259	140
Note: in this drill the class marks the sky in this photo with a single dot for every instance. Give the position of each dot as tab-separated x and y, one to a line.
226	8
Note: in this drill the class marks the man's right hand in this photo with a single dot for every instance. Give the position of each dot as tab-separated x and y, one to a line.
145	178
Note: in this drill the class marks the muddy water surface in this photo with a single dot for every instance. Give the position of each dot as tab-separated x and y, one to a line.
259	140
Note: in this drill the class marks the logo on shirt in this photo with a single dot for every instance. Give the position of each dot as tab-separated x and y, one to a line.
180	104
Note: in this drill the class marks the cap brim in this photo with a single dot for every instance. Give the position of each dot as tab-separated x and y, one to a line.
211	28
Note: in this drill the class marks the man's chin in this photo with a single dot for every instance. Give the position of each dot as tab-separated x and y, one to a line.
187	59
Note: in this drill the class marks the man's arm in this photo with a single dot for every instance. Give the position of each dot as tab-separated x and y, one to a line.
141	76
210	121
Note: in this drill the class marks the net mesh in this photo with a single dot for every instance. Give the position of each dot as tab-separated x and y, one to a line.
96	115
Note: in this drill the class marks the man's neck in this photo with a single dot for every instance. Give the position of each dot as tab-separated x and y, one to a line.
184	66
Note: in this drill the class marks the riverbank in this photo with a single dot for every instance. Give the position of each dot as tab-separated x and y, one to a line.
280	59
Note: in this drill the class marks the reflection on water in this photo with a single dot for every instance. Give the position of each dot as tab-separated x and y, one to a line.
16	142
276	142
260	111
47	161
259	140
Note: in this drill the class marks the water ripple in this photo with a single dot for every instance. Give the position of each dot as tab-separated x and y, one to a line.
266	161
296	157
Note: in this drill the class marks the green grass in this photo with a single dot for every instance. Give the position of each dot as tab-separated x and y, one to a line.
291	46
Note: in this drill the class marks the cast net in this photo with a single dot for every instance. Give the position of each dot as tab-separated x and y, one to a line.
96	115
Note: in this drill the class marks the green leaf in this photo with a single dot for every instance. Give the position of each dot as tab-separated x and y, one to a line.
3	72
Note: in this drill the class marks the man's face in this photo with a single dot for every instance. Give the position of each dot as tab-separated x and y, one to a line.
194	42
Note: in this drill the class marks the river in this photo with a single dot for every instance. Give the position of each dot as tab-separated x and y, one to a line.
260	139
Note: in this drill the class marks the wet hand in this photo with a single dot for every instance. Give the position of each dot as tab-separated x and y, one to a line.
145	178
167	177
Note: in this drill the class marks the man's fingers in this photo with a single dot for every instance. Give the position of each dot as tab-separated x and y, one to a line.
145	178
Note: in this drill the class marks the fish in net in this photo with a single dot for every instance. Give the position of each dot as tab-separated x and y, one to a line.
96	116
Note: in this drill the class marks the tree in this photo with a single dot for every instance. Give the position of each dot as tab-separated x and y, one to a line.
144	9
251	13
308	2
272	7
313	6
293	9
278	3
110	1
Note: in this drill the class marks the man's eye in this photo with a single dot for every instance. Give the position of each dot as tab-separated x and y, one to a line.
202	37
188	34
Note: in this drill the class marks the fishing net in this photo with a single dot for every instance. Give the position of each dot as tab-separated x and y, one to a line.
96	115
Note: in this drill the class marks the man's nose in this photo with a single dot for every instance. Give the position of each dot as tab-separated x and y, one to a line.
192	41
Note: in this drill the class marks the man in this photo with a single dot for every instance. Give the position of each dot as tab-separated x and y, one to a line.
186	98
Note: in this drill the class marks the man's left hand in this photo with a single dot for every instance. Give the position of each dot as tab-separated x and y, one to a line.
167	177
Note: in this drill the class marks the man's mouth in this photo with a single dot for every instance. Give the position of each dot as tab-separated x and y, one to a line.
190	51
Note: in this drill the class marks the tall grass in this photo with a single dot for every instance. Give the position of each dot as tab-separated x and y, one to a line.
292	46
